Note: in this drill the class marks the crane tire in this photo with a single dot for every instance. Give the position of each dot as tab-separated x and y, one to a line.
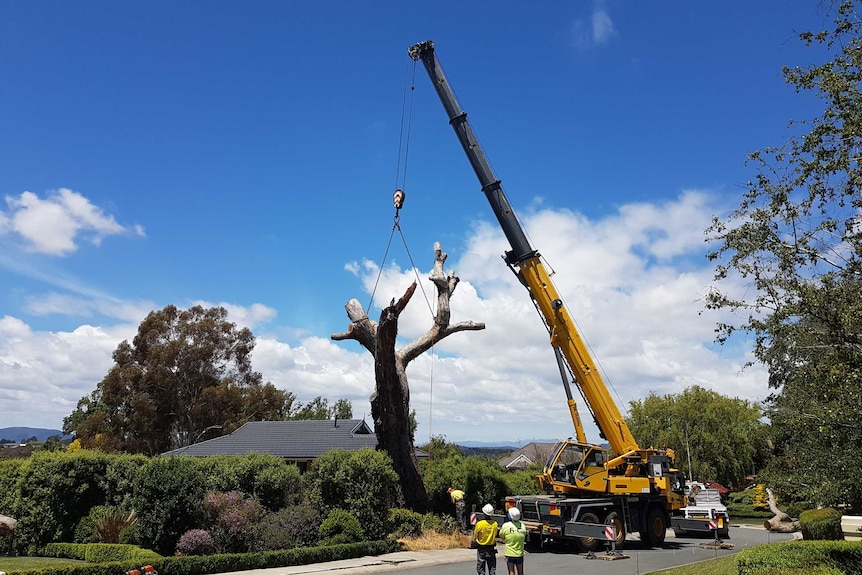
615	518
654	527
587	544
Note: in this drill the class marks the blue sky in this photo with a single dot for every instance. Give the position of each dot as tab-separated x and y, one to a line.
244	154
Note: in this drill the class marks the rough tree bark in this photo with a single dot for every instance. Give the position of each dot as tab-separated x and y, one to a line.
390	403
781	522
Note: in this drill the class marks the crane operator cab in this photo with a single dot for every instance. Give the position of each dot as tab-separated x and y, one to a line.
572	463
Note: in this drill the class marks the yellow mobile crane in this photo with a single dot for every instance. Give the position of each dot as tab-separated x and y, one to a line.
630	487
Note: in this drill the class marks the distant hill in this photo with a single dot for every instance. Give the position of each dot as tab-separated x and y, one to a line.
22	434
495	450
511	445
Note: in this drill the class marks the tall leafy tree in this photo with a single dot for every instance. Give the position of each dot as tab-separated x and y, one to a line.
796	241
716	438
186	376
342	409
317	408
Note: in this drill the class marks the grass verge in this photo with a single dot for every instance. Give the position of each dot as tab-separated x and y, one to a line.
9	564
721	566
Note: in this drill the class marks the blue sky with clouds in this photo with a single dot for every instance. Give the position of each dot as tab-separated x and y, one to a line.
245	154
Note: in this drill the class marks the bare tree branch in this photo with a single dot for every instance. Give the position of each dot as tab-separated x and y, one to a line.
390	402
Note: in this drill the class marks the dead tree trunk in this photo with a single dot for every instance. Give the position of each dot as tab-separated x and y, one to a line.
390	403
781	522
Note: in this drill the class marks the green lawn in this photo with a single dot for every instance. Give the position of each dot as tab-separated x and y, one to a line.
10	564
721	566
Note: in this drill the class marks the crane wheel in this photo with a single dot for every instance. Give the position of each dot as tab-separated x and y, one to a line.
615	518
654	527
587	544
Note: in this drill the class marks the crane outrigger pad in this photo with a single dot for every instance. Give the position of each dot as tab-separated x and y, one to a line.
595	531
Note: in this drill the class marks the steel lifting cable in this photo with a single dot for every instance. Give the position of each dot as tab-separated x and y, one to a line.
398	202
399	195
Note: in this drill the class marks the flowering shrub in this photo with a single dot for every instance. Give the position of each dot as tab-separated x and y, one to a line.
230	515
294	527
196	542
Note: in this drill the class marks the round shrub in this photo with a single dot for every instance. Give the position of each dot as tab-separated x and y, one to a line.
294	527
361	481
196	542
278	487
821	524
405	523
169	499
340	527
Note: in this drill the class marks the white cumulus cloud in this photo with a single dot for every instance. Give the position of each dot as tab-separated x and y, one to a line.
55	224
633	281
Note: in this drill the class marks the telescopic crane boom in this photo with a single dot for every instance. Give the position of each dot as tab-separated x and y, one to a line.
630	489
526	262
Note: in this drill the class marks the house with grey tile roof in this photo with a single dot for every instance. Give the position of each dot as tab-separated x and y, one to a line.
526	456
299	442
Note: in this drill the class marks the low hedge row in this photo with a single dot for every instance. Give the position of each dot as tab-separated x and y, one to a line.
100	552
822	557
821	524
211	564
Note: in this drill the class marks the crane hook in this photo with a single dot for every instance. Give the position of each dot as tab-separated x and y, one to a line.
398	199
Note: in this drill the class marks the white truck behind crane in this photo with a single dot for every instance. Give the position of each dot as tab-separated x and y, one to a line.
706	509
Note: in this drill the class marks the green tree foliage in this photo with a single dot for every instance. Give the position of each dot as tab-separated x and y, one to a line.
362	482
340	527
724	437
168	498
267	477
120	474
62	496
482	479
342	409
523	482
796	243
10	472
186	373
404	523
319	408
440	448
747	503
53	492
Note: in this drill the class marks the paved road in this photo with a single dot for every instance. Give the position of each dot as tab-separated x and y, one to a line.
639	559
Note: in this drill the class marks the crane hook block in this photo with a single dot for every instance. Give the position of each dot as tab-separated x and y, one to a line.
398	199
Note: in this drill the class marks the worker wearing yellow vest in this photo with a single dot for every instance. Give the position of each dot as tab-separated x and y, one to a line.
460	506
485	536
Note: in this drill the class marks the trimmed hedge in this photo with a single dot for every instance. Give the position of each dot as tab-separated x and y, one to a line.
822	557
100	552
821	524
211	564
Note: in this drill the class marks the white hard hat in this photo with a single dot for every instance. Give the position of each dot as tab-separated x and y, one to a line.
514	513
488	509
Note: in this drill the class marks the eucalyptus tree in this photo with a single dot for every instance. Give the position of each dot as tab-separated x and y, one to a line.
186	376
